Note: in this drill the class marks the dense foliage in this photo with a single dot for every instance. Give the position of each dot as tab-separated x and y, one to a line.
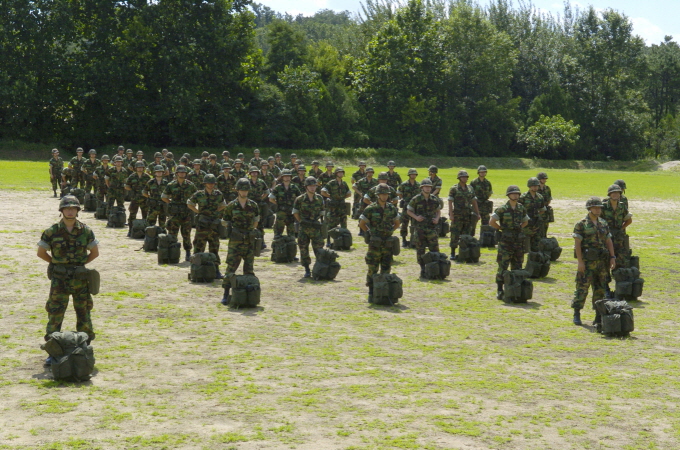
433	77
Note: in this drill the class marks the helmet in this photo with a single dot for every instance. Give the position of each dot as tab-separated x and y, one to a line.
79	150
184	160
277	155
330	164
225	153
614	188
370	169
362	163
433	169
621	183
383	176
158	168
286	173
69	201
117	158
382	188
205	154
196	161
158	155
257	150
264	163
212	156
181	169
92	152
542	176
243	184
128	150
462	173
293	155
209	178
512	189
140	153
54	150
593	201
270	158
253	169
481	168
298	161
226	166
391	164
315	163
426	182
169	155
240	156
533	181
238	161
301	167
310	181
139	164
120	147
105	158
338	170
412	172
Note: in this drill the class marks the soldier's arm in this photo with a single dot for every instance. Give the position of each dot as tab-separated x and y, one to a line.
192	205
397	223
94	253
42	254
494	223
475	207
363	224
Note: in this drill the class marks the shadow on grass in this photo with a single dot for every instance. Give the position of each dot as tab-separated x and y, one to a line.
527	305
248	312
396	309
50	382
548	280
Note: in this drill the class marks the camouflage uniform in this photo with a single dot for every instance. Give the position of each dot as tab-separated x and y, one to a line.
285	198
310	212
116	192
483	192
393	179
407	191
426	234
154	190
358	199
325	178
207	221
68	250
511	245
462	222
545	191
77	176
256	161
336	213
363	186
615	219
268	178
214	169
372	195
150	169
592	236
226	185
137	200
316	173
239	173
257	190
197	179
299	182
243	220
128	161
437	183
146	164
178	213
56	167
380	222
534	207
88	168
171	165
101	188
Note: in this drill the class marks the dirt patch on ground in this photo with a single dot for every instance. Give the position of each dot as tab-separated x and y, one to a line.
670	165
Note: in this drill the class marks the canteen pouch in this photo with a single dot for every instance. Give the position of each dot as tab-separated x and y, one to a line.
93	281
636	289
551	214
394	244
348	208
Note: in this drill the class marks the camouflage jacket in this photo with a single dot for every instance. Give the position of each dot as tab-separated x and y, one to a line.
242	218
179	193
424	207
150	168
131	167
393	179
65	247
90	166
258	190
137	184
226	185
204	164
117	178
239	173
315	173
275	171
592	235
365	184
257	162
285	198
207	204
615	217
196	178
545	191
462	199
155	189
101	172
373	197
483	189
56	166
214	169
280	165
380	220
309	210
533	205
325	178
511	219
128	161
268	178
170	164
408	191
76	164
358	175
300	183
337	191
437	183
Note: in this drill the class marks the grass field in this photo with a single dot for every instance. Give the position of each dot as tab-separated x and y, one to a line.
316	367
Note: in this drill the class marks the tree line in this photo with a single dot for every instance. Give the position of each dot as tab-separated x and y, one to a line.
434	77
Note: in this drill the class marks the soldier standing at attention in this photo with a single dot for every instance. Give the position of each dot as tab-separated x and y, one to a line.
135	184
622	185
171	165
393	178
326	176
358	199
483	192
56	167
273	168
336	191
204	162
237	170
226	183
406	191
88	168
299	177
129	160
462	203
76	165
437	182
213	167
226	158
283	195
535	206
256	160
277	161
244	215
151	168
425	210
361	188
197	175
595	254
315	171
308	209
509	219
152	191
379	220
618	218
120	152
266	175
291	165
259	193
372	195
545	191
99	177
176	194
115	182
208	204
71	245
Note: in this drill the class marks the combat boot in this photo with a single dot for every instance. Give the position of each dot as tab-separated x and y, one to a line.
453	254
607	292
422	271
328	243
370	294
218	275
404	242
308	273
187	256
361	232
226	297
577	317
129	230
499	292
55	193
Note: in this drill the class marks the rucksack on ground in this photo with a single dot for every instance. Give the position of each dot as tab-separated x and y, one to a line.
245	291
436	265
116	218
74	358
90	203
469	249
341	238
102	211
551	247
487	236
151	238
284	249
79	194
203	267
629	285
444	226
169	250
387	289
516	287
617	317
325	267
138	229
538	264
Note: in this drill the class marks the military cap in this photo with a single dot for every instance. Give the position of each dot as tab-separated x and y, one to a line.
243	184
362	163
238	161
69	201
614	188
139	164
270	158
338	169
286	173
158	155
79	150
181	168
310	181
226	165
212	156
54	150
105	158
264	163
621	183
209	179
462	173
117	158
293	156
481	168
412	171
140	153
315	163
533	181
301	167
382	189
184	160
158	168
433	169
391	164
225	153
370	169
383	176
205	154
426	182
169	155
253	169
277	155
257	150
512	189
120	147
240	156
594	201
92	152
542	176
128	150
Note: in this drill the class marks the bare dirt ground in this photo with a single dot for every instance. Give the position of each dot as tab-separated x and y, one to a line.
316	367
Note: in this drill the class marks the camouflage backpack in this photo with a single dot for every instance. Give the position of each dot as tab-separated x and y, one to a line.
387	289
551	247
325	267
341	238
516	287
284	249
469	249
151	238
436	265
138	229
617	317
245	291
538	264
74	358
203	267
169	250
487	236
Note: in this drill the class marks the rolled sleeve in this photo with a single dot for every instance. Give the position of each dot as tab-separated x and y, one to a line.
295	211
362	217
495	216
94	243
44	245
628	216
577	236
190	203
272	196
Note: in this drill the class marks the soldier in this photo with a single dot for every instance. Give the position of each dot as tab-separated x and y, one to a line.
277	161
379	220
115	180
483	192
140	157
308	209
283	195
244	215
129	160
66	181
213	167
393	178
315	171
56	167
176	194
535	206
462	204
76	165
300	177
204	163
425	210
226	183
259	193
266	176
545	191
406	191
372	195
256	160
336	191
226	158
509	219
595	254
326	176
99	177
71	245
88	167
291	164
120	152
197	175
622	185
171	165
135	184
362	187
152	191
273	168
208	204
618	218
237	170
436	181
358	199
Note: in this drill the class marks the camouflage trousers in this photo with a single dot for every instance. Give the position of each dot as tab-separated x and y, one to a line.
424	238
285	221
56	181
60	290
485	210
405	223
621	251
115	196
461	224
157	212
90	184
237	251
307	235
378	258
336	215
510	254
211	237
78	179
180	223
595	275
534	234
135	205
100	193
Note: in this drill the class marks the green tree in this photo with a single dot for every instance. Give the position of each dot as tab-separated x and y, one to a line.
550	137
287	48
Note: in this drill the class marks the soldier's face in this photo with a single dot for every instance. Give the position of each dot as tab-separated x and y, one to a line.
595	211
311	189
181	175
70	212
158	174
243	194
514	197
369	174
383	197
118	164
339	174
286	179
482	174
533	188
197	167
209	186
226	172
427	189
413	176
615	196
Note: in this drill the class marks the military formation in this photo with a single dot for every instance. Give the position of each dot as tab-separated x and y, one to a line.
237	199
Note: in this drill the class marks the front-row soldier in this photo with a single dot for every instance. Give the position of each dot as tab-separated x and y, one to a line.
208	204
336	191
406	191
595	254
244	215
379	220
308	211
509	219
462	204
283	196
71	245
176	194
425	210
152	191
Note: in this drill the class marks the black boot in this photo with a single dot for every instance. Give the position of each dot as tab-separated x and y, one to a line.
328	243
218	275
308	273
361	232
187	256
422	271
226	297
129	230
370	294
404	242
577	317
607	292
499	292
598	319
453	254
55	193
